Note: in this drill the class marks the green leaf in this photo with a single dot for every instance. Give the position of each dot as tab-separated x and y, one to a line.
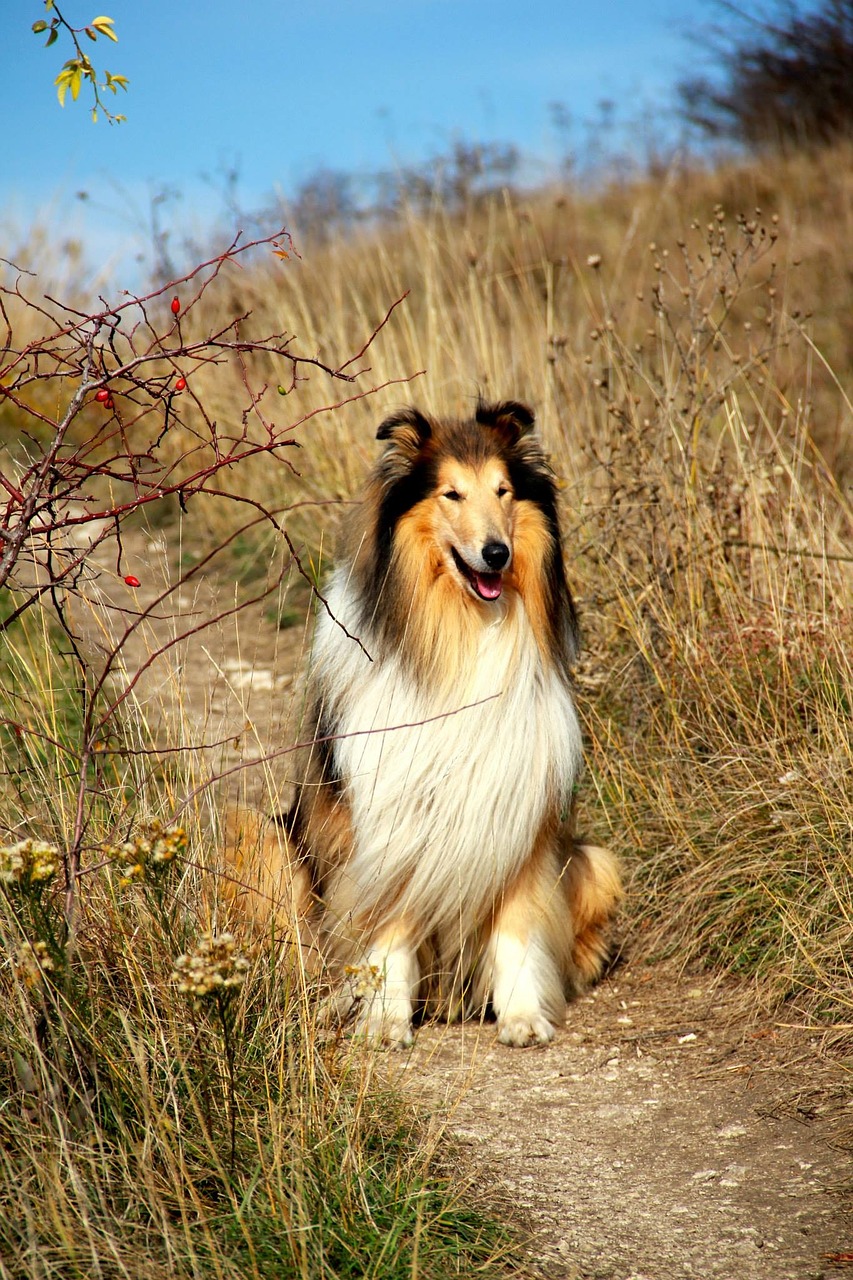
39	26
52	38
48	4
94	115
63	78
105	26
70	77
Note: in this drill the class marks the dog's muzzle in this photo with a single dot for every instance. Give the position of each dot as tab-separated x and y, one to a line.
485	585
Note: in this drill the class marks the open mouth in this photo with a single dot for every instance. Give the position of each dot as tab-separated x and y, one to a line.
487	586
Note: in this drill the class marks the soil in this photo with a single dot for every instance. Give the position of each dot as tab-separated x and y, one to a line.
669	1131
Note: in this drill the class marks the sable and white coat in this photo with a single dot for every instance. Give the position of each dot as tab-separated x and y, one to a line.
435	810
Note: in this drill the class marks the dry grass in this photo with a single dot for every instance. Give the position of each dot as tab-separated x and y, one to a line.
700	421
169	1117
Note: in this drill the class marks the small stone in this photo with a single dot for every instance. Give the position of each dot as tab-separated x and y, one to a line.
733	1130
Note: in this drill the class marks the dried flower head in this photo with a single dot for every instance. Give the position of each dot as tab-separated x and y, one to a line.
149	853
28	863
32	961
214	964
364	979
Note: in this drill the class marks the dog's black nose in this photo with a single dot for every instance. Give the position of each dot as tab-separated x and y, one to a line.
496	554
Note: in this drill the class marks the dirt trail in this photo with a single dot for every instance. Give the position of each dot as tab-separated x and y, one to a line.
662	1135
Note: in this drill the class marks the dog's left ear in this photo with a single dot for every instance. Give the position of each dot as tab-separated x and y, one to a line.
508	418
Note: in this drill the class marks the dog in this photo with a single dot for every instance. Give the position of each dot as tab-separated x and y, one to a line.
433	821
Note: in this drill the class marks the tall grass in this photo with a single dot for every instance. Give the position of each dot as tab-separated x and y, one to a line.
173	1104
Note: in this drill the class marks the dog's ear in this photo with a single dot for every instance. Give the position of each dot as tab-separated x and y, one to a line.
508	418
408	431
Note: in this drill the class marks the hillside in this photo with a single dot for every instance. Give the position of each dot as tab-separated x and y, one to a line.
686	342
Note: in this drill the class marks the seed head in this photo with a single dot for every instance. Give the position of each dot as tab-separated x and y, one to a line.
214	964
364	979
32	962
28	863
153	850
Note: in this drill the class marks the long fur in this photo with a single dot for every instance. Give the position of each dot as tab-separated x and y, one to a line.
435	811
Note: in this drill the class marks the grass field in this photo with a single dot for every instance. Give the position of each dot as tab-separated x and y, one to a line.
686	345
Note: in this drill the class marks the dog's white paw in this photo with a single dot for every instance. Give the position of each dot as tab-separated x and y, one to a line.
523	1030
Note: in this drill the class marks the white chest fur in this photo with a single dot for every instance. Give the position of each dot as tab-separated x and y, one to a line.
447	791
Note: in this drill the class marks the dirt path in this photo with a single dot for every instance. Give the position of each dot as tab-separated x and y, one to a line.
660	1136
663	1135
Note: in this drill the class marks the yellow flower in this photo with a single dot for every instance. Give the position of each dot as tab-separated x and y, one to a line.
150	852
27	863
364	979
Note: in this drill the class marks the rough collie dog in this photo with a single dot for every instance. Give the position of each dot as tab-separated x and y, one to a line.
434	816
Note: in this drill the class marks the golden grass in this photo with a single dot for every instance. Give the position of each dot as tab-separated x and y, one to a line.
170	1117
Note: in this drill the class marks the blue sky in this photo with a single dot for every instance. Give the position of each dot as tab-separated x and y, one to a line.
276	91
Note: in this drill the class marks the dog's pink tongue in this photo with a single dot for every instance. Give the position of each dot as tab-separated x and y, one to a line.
488	585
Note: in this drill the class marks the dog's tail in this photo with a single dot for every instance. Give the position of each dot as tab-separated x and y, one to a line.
594	888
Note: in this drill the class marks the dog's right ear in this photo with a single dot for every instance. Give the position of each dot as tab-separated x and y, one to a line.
407	428
406	431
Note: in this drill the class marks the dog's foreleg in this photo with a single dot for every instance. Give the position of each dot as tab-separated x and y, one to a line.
519	971
522	971
390	985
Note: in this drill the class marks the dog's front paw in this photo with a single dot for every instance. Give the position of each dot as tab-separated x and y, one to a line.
523	1030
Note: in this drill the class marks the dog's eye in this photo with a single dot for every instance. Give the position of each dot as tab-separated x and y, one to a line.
502	491
453	495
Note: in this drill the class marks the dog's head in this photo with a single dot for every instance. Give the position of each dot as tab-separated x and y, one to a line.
468	507
461	483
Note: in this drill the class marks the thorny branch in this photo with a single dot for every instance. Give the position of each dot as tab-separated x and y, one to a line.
109	417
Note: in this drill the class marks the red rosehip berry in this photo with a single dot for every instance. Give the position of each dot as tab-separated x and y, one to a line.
132	580
109	402
102	396
176	305
181	384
